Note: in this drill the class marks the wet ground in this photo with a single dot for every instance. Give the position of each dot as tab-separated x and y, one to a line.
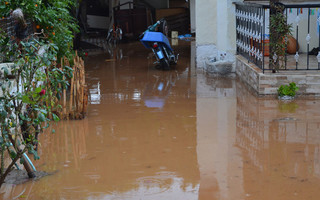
154	135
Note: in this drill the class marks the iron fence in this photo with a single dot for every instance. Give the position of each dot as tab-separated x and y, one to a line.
252	35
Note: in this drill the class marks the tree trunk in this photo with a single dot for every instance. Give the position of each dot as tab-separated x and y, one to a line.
26	164
273	39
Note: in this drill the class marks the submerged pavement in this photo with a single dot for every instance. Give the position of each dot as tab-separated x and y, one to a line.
151	134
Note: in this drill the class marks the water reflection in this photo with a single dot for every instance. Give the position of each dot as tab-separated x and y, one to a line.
280	146
207	139
124	150
95	94
219	162
255	148
156	93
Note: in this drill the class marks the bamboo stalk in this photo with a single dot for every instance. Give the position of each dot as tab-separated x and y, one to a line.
80	87
71	90
66	111
78	96
85	100
64	102
59	85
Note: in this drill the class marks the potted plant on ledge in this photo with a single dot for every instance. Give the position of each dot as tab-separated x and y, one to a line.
287	92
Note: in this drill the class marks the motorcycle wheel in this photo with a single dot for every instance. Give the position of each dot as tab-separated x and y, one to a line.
164	64
163	28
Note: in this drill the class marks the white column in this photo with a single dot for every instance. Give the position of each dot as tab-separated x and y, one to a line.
193	15
206	11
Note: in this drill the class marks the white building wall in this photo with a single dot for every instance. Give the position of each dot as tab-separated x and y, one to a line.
193	15
206	12
215	29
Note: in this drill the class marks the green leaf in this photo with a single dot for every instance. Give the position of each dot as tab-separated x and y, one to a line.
55	117
53	131
3	114
38	90
26	99
35	155
22	160
13	154
41	117
43	111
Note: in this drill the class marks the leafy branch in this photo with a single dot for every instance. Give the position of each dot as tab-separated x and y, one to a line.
279	32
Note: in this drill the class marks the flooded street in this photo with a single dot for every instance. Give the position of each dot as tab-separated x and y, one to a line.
178	134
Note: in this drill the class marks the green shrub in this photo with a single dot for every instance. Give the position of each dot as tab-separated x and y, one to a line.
29	101
55	17
288	90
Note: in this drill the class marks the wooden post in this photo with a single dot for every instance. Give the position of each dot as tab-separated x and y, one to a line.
26	164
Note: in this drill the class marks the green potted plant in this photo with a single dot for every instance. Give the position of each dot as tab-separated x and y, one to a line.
287	92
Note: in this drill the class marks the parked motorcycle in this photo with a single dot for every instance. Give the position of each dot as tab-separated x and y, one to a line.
159	44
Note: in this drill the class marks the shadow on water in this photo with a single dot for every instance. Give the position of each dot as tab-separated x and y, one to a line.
177	134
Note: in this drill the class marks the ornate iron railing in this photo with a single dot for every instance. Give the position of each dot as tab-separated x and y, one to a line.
252	38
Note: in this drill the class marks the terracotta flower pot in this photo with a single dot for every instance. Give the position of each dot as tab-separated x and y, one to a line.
292	47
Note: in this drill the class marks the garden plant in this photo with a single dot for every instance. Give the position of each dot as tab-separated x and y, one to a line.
31	88
288	90
279	32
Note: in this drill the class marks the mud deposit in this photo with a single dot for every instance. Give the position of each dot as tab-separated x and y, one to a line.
16	177
177	134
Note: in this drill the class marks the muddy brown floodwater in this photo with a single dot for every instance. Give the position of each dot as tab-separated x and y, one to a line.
178	134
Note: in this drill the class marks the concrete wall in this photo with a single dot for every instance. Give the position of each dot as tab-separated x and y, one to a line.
206	21
215	20
268	84
215	28
226	26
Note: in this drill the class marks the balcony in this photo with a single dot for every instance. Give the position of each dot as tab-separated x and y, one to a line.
301	64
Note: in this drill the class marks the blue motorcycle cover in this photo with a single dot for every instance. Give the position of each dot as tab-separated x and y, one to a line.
155	37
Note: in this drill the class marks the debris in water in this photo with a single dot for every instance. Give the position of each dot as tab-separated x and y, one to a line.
110	60
286	119
20	176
